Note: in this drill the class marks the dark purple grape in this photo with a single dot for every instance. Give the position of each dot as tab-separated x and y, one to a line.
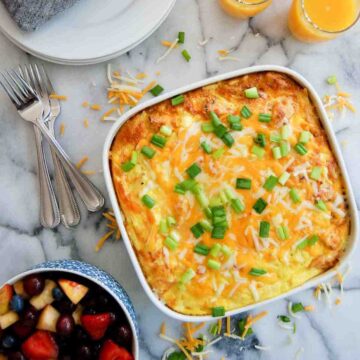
103	302
22	329
80	334
16	356
30	315
83	352
65	325
34	284
64	306
89	311
123	335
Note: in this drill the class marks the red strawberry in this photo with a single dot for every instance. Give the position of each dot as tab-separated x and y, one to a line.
111	351
96	325
40	346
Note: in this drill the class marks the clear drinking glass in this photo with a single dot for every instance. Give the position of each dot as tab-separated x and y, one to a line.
244	8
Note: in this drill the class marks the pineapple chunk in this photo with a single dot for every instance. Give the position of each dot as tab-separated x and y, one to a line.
48	319
19	289
77	314
45	297
8	319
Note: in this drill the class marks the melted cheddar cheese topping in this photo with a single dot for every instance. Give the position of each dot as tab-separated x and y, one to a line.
306	215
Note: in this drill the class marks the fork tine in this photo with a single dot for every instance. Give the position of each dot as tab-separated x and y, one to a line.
41	83
12	97
21	87
34	80
13	88
48	83
25	83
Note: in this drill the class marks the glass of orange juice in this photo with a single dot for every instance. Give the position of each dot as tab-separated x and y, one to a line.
321	20
244	8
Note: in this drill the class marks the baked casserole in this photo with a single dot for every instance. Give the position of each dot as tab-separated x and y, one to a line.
230	193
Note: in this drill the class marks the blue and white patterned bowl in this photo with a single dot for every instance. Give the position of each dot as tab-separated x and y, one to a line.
99	277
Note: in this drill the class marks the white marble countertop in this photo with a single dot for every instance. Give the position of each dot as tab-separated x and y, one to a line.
323	334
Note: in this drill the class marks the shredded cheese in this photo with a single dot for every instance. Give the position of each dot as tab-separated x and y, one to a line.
86	123
168	51
62	129
95	107
58	97
85	104
82	161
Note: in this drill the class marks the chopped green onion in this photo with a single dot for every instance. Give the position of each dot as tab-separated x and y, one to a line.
245	112
148	152
284	177
276	152
163	226
257	272
242	324
188	184
218	211
187	276
186	55
207	147
181	37
207	212
266	118
229	194
193	170
295	197
175	236
264	230
243	183
260	140
177	100
213	264
305	137
226	250
218	311
258	151
233	119
134	157
331	80
237	205
157	90
179	189
158	141
285	132
218	153
228	140
214	118
316	173
251	93
297	307
148	201
215	250
312	240
236	126
201	197
127	166
218	232
197	230
275	137
206	225
170	221
207	127
282	232
213	329
284	318
300	149
171	243
201	249
321	205
260	205
220	131
284	148
166	130
270	183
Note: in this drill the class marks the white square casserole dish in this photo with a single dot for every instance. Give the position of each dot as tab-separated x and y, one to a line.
335	148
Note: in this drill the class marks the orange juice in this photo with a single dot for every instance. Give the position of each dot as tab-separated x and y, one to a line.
244	8
319	20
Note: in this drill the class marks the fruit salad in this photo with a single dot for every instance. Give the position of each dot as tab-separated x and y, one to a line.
57	315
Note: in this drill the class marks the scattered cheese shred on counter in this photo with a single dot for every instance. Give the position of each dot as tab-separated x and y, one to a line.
86	123
82	161
95	107
141	76
89	172
62	129
58	97
112	224
168	51
107	113
167	43
85	104
309	308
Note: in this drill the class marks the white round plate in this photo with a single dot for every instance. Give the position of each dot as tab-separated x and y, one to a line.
91	31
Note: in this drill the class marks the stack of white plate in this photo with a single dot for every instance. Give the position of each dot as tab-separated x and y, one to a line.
92	31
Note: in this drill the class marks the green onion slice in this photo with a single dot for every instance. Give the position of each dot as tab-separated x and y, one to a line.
177	100
148	201
218	311
260	205
252	93
257	272
157	90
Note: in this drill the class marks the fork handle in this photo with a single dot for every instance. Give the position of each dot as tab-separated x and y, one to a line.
69	210
89	194
49	210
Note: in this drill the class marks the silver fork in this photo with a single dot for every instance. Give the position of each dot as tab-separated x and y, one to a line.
30	108
69	210
49	210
